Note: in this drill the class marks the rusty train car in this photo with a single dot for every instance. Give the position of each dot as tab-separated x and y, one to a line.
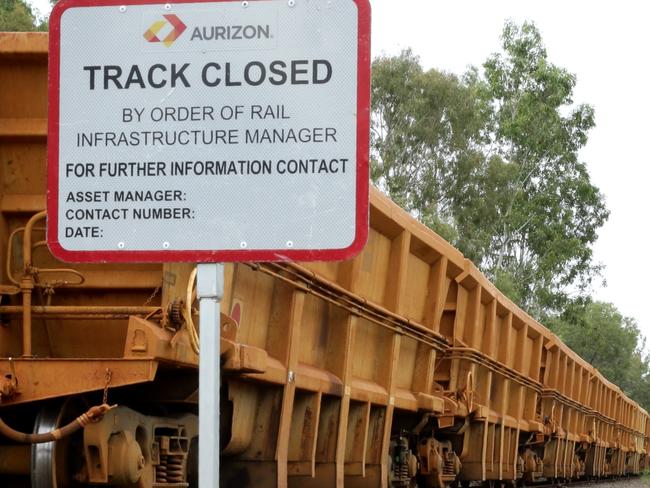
402	367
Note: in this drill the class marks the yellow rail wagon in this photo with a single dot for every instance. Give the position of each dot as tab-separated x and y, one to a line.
402	367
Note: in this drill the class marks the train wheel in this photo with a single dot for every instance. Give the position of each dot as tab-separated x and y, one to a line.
54	464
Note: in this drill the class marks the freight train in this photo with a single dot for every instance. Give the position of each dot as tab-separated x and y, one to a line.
402	367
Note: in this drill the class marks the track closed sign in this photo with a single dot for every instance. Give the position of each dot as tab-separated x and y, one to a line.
208	131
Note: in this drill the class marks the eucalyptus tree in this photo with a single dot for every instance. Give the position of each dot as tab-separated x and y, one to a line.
490	160
17	15
426	130
549	215
609	341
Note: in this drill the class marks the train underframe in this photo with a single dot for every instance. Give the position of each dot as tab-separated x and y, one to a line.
436	457
148	439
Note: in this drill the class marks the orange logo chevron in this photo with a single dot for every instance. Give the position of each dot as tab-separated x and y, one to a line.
178	28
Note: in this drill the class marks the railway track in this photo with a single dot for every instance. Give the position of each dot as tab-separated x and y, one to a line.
618	482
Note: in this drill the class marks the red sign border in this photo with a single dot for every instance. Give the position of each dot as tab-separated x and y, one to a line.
198	256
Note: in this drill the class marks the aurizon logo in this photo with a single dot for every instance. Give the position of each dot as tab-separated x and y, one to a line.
151	34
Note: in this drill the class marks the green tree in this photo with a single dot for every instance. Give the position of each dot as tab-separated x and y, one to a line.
17	15
638	385
490	161
549	217
425	128
610	342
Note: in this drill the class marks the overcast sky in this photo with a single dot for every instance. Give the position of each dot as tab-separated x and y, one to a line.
606	45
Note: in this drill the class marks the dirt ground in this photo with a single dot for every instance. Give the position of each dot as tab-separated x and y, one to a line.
626	483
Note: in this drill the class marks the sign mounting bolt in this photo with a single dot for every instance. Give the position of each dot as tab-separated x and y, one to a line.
243	244
166	245
122	8
120	245
291	3
289	243
168	6
244	4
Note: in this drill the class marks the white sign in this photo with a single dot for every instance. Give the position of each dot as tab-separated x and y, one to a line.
208	131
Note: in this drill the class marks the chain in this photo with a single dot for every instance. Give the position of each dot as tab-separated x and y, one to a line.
153	295
109	376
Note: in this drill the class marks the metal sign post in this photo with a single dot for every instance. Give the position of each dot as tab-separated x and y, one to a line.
209	287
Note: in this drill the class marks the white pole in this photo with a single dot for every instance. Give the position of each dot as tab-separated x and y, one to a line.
209	287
